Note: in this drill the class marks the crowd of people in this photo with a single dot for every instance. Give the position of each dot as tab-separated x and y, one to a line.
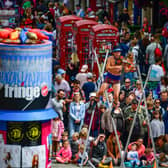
77	95
75	102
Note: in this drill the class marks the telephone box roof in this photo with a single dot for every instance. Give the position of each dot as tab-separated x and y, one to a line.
101	27
69	17
85	22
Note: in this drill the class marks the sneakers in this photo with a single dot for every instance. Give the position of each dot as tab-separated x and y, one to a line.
103	166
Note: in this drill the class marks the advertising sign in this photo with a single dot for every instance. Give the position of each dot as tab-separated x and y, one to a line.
25	76
24	133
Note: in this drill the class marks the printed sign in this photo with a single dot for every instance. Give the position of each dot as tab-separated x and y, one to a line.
15	133
34	156
32	134
10	156
24	133
25	77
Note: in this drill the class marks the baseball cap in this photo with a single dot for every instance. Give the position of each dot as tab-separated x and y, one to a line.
61	71
92	94
117	49
84	68
89	75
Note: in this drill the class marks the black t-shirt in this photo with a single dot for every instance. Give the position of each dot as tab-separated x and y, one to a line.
99	150
164	104
124	17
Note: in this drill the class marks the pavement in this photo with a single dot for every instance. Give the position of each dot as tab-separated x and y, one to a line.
57	165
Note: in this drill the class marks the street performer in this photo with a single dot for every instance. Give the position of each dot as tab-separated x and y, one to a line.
115	64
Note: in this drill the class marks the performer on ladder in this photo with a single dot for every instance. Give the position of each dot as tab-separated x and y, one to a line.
115	64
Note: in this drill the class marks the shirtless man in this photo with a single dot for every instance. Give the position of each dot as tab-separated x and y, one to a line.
114	67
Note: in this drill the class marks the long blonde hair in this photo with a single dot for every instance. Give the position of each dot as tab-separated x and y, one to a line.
74	58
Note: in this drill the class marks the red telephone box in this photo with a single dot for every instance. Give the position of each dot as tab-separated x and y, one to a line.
102	37
64	38
81	36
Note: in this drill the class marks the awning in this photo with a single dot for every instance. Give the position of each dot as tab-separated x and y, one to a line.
32	115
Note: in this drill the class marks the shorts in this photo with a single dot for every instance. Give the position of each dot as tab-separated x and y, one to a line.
111	79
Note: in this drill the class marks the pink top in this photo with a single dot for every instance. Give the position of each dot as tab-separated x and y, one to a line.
140	151
150	157
57	128
65	153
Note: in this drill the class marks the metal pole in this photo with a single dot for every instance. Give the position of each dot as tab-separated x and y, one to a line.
115	130
133	123
93	111
104	65
113	123
148	121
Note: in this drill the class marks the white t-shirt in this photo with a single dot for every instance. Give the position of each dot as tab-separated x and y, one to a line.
156	73
63	85
82	77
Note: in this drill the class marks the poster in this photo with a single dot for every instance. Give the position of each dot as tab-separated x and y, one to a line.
10	156
24	133
34	156
32	134
15	133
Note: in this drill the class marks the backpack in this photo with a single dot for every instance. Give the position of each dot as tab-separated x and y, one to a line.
157	52
141	56
119	120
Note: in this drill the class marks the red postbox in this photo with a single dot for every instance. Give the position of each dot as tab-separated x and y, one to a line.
81	36
102	37
64	38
